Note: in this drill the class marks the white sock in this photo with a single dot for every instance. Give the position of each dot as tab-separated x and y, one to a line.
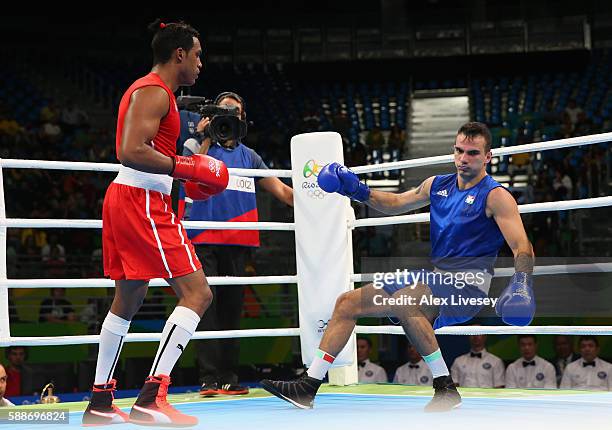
113	332
320	365
436	364
179	329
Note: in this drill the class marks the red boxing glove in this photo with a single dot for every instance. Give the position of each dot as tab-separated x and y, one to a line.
196	191
203	169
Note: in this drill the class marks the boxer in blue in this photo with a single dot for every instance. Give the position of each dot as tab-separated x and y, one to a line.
471	216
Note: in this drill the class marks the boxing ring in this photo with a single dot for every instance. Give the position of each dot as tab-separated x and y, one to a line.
338	406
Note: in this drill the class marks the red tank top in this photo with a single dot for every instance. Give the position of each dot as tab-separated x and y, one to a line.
169	126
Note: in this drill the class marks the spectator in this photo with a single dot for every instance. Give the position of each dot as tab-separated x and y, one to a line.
310	119
375	139
29	258
564	355
520	162
16	356
341	123
51	133
3	383
357	156
56	308
397	138
226	252
94	312
573	114
562	185
54	258
415	372
53	245
73	117
478	368
39	237
49	113
10	128
368	372
530	371
589	372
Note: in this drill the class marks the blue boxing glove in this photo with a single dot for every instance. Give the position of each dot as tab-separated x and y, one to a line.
336	178
516	304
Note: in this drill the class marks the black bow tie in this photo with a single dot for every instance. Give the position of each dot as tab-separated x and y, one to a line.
362	364
476	354
528	363
413	366
585	364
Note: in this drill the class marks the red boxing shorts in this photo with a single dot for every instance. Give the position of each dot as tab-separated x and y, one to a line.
141	236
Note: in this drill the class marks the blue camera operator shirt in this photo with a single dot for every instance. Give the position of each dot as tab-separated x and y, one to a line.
236	203
189	123
462	236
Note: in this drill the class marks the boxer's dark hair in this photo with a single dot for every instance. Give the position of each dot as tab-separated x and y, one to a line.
475	129
169	37
588	338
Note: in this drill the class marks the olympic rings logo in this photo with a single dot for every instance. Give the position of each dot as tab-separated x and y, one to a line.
316	194
312	190
215	167
311	168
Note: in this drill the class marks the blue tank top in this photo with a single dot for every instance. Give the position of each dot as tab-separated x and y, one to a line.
462	236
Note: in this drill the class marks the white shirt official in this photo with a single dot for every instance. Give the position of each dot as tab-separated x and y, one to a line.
580	377
540	374
371	373
413	374
484	372
5	402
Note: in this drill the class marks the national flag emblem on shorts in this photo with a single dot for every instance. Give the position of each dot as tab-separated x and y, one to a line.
470	199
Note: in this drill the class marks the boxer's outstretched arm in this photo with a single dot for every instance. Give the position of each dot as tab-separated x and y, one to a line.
516	305
148	105
394	204
502	206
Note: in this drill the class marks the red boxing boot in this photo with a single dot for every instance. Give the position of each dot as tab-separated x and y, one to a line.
152	408
101	410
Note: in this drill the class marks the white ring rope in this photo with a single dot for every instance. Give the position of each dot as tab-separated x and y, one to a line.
285	226
505	272
498	152
105	283
114	167
595	202
286	332
147	337
507	330
189	225
559	269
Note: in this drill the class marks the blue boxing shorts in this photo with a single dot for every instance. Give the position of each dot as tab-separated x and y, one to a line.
453	289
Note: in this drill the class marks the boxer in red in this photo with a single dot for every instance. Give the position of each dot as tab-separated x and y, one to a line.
142	237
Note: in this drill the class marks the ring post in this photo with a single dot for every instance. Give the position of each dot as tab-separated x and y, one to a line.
5	329
324	253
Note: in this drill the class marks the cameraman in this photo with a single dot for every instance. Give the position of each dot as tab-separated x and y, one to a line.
226	252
